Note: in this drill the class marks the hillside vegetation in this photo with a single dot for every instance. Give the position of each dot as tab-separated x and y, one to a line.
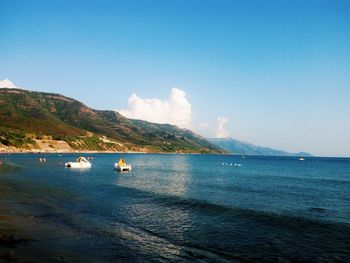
27	117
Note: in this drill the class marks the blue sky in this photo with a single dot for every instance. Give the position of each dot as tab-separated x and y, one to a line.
277	70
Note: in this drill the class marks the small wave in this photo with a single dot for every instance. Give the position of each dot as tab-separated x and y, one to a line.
8	167
202	206
318	209
162	245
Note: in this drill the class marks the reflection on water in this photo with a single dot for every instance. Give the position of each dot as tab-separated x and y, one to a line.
170	176
182	208
180	178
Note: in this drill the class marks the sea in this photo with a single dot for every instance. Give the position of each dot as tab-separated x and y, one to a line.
179	208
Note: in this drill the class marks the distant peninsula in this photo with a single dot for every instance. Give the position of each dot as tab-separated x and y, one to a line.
243	148
45	122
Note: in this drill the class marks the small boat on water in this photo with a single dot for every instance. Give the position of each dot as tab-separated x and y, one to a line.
81	162
301	159
121	166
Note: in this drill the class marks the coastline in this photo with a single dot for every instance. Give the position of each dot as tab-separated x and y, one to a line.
38	151
23	233
21	240
112	152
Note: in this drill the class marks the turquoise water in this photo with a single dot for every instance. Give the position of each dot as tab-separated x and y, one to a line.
184	207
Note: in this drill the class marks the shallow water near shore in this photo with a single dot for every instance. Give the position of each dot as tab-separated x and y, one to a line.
179	208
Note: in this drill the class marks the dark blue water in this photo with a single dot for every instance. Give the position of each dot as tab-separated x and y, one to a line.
179	208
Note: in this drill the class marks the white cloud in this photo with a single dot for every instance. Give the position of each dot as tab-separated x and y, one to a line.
221	132
6	83
174	110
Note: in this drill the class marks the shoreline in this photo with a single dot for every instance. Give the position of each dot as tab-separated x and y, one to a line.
20	243
107	152
3	152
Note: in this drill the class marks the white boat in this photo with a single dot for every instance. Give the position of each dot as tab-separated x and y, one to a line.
81	162
121	166
301	159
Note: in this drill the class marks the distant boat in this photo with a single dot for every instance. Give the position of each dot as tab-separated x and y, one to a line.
81	162
301	159
121	166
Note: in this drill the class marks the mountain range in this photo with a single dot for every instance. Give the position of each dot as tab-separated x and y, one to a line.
242	148
38	121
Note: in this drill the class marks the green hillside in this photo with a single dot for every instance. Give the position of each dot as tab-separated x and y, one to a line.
26	116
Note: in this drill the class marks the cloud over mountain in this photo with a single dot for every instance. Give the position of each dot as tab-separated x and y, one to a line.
174	110
6	83
221	132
